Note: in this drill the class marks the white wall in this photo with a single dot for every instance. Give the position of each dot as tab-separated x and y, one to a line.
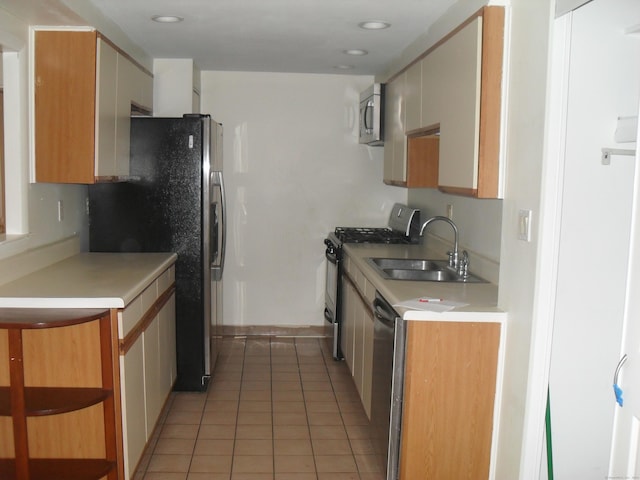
173	86
293	172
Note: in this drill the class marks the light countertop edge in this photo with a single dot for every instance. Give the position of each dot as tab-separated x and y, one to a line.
481	299
87	280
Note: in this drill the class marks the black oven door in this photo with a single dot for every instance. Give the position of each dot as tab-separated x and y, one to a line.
332	299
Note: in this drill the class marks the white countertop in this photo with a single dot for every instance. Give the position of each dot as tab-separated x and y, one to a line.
481	298
87	280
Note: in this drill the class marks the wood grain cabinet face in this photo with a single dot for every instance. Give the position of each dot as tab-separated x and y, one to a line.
449	395
84	90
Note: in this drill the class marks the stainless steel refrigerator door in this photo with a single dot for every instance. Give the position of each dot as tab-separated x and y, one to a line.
207	219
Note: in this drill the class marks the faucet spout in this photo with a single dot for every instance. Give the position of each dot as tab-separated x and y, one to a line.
453	256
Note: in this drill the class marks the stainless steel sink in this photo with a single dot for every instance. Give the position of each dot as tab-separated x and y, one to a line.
420	270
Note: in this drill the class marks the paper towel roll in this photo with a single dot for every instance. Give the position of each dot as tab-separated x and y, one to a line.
627	129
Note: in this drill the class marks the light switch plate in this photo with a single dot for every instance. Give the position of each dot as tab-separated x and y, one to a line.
524	225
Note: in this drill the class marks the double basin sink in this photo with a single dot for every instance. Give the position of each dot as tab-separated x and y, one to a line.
420	270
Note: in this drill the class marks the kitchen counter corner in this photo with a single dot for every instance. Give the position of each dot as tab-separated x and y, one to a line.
87	280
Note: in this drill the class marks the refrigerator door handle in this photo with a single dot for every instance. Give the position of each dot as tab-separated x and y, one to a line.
217	180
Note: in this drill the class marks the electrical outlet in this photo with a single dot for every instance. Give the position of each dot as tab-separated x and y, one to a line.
524	225
449	211
60	211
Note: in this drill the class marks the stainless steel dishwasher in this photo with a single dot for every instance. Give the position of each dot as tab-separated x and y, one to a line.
386	389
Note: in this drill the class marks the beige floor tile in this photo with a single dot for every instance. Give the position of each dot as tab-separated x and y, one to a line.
169	463
289	407
183	418
324	418
211	463
252	476
254	431
369	463
282	365
252	464
314	376
358	431
371	476
313	386
315	396
247	406
285	376
208	476
287	396
362	446
298	446
254	418
175	446
289	419
224	394
322	407
280	386
354	406
164	476
290	431
255	395
335	463
210	417
331	446
255	385
188	404
296	476
212	446
229	406
253	447
339	476
294	464
355	418
327	431
179	431
217	432
259	376
313	368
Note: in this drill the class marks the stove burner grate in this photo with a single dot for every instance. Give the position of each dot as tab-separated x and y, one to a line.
370	235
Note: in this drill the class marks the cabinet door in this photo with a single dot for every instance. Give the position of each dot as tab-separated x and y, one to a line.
395	145
64	98
358	344
413	97
460	57
367	361
348	323
168	345
133	405
153	384
448	405
106	112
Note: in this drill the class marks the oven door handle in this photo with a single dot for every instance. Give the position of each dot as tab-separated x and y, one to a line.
332	257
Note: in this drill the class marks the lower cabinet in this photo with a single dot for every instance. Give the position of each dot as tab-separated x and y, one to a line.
357	345
449	397
148	370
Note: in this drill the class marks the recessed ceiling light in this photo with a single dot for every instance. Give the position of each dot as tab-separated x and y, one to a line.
343	67
166	18
355	51
374	25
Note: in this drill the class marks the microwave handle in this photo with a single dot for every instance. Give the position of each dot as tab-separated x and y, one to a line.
369	105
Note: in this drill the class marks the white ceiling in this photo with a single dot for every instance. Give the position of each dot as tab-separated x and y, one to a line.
305	36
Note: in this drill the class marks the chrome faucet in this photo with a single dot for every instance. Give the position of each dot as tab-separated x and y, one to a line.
453	256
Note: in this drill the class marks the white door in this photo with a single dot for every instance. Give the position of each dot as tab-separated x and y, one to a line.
596	220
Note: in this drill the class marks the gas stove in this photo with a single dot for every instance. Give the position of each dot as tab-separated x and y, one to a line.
370	235
404	228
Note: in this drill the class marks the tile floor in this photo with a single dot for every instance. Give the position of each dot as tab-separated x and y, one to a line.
278	409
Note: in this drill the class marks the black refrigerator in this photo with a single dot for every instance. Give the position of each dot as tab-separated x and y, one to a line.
173	201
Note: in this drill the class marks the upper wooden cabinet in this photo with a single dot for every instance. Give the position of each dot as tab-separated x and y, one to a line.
85	90
453	92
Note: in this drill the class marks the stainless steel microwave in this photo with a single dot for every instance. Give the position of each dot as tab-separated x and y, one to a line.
372	115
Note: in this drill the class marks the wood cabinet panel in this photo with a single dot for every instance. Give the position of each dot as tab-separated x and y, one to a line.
84	90
65	85
450	383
